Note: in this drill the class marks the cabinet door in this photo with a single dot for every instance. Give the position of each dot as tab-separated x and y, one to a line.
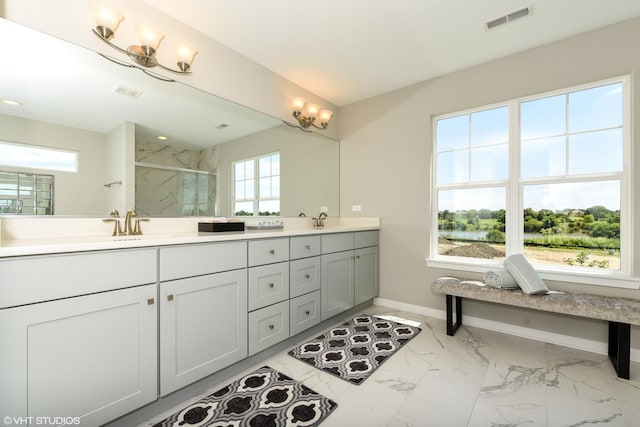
337	283
268	326
366	274
305	276
93	357
305	312
268	284
203	327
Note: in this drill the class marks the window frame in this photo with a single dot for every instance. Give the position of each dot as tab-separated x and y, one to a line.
256	185
623	278
42	149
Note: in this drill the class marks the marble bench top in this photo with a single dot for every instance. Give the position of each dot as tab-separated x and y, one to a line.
623	310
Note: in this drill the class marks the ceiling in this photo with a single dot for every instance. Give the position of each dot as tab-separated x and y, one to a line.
349	50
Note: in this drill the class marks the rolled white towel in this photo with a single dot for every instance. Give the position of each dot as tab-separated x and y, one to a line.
524	275
500	278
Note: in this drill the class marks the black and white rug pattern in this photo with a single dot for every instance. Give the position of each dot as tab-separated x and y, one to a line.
356	348
263	398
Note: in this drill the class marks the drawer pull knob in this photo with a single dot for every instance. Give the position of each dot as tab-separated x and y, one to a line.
272	251
271	327
150	301
170	297
271	285
307	276
307	312
308	247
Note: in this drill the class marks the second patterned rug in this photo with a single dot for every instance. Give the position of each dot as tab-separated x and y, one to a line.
356	348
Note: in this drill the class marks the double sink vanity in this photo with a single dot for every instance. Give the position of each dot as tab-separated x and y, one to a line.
96	327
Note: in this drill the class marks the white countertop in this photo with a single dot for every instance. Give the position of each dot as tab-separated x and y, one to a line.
58	243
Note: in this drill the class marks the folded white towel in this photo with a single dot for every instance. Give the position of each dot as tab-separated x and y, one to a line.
500	278
524	275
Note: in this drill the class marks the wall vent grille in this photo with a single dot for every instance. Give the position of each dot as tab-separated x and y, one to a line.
508	18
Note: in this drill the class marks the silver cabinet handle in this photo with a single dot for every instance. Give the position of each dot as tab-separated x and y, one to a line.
307	276
272	251
170	297
150	301
307	312
271	285
271	327
308	247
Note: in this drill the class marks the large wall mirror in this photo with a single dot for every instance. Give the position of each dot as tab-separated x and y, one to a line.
74	100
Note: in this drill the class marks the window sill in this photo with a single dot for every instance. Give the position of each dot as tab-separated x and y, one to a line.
615	280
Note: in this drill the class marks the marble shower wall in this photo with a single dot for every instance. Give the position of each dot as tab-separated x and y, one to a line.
162	192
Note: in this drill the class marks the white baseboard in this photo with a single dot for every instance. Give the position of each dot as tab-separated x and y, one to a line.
519	331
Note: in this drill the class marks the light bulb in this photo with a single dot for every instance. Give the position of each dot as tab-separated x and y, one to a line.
325	116
298	103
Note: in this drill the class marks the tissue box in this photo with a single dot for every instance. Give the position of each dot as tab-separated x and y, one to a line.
218	227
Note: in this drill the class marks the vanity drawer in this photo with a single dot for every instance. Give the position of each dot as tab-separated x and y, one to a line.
305	312
305	246
268	326
268	251
177	262
304	276
268	284
337	242
43	278
365	239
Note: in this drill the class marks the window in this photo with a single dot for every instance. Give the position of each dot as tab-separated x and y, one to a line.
257	186
26	194
544	176
31	156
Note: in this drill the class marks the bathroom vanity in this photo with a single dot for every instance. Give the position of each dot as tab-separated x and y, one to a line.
100	328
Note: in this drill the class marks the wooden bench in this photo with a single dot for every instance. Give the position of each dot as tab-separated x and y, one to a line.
621	313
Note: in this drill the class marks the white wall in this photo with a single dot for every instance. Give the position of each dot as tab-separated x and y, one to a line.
386	144
120	166
74	193
312	157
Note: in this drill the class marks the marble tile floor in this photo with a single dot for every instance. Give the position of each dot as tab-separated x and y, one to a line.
476	378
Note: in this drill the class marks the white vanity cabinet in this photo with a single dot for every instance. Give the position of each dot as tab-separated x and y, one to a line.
349	270
268	293
203	319
305	267
82	340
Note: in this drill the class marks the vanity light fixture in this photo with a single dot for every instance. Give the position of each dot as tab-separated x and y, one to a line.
161	138
307	114
144	54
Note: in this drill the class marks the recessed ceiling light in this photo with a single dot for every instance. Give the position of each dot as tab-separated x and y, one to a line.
11	102
161	137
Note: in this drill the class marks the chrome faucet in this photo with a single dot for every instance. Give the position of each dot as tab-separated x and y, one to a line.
319	222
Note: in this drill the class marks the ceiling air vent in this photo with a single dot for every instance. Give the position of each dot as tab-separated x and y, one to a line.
127	91
508	18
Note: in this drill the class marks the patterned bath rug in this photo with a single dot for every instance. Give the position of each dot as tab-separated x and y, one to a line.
354	349
263	398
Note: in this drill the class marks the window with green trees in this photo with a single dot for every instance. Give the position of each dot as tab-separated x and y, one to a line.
544	176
